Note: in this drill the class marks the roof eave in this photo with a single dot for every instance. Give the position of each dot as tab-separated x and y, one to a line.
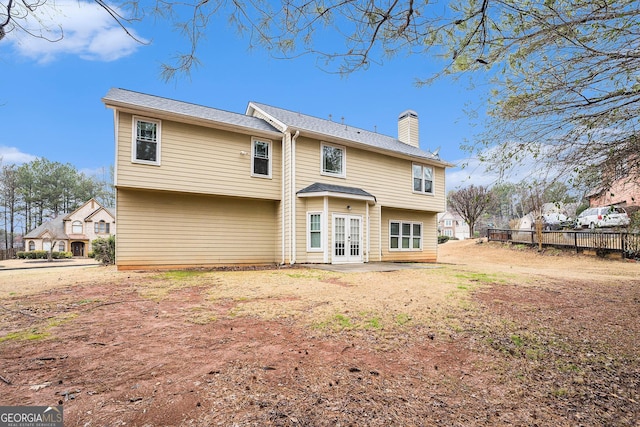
356	144
185	118
370	199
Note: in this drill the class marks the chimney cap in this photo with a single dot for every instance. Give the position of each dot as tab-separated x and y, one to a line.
407	113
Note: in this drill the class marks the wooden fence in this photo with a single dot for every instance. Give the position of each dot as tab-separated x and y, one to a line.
599	240
8	253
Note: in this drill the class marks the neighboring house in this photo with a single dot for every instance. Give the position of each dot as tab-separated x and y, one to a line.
451	224
624	191
197	186
73	232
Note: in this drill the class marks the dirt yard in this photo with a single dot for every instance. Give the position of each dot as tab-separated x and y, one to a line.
493	335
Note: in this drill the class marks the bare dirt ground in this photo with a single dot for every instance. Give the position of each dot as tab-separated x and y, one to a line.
493	335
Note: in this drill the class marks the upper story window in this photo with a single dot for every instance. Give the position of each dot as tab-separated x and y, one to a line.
422	179
101	227
448	223
333	160
76	227
146	141
261	158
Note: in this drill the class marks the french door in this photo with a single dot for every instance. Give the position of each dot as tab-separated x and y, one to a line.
347	238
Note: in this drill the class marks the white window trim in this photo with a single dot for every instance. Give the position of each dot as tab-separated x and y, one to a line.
134	136
322	232
253	153
448	223
433	179
344	160
410	248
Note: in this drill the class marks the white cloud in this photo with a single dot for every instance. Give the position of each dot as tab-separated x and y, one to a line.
87	30
12	155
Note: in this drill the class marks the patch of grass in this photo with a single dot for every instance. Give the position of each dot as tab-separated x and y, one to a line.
402	319
181	274
26	335
517	340
202	316
477	277
336	322
38	332
374	323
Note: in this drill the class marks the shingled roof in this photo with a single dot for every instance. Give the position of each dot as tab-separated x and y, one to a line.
266	118
124	98
320	187
317	126
54	226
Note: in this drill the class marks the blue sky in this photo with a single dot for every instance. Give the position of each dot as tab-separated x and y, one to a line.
50	102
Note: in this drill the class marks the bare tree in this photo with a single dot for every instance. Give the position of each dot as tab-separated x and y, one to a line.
470	203
566	90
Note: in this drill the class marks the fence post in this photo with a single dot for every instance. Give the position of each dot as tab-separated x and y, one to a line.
575	241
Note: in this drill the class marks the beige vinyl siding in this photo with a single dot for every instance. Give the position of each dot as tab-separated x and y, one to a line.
305	206
429	235
162	229
388	178
198	159
375	250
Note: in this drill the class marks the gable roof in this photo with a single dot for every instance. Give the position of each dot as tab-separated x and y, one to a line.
99	206
322	128
100	209
127	99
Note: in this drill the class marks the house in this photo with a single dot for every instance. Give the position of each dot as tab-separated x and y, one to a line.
198	186
451	224
73	232
622	189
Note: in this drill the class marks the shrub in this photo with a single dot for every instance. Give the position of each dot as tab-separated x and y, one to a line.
21	255
443	239
104	250
61	255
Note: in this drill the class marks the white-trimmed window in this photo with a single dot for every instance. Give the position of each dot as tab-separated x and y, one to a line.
447	223
261	158
32	245
314	232
76	227
146	141
405	236
422	179
101	227
61	247
333	159
448	233
46	245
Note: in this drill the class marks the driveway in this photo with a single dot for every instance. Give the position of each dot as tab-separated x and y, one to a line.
25	264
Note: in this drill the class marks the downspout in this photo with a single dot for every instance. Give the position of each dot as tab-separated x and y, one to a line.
293	197
283	177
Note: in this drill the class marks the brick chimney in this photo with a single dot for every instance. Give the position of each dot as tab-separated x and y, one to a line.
408	128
